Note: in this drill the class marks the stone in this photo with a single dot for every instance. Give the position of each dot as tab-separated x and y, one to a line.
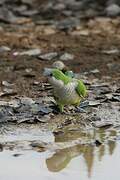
31	52
66	57
113	10
48	56
4	49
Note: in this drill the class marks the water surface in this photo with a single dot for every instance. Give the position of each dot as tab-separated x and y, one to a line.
78	161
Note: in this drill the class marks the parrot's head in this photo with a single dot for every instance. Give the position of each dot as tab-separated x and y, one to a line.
62	67
58	65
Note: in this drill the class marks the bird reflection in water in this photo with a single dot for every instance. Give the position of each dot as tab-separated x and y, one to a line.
89	152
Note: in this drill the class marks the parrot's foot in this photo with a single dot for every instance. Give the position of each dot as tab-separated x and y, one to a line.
81	107
84	104
61	107
81	110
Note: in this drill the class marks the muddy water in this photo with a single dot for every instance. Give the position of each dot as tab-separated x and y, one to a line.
69	155
33	165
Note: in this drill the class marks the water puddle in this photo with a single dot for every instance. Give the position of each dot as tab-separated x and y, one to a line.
70	155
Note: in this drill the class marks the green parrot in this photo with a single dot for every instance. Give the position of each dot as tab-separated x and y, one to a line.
62	67
67	90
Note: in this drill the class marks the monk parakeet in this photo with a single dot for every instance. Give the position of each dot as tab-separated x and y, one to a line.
67	90
62	67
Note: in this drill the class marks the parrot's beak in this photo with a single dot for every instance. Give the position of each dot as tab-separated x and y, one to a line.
47	72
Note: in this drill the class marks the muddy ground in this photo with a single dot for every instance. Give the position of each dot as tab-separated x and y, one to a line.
94	44
25	93
29	118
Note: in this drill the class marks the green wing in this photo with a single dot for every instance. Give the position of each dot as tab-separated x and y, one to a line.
81	89
61	76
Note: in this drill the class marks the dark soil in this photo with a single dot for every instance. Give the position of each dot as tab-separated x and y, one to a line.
87	49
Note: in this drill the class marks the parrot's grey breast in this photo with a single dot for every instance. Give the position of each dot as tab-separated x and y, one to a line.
65	94
55	83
